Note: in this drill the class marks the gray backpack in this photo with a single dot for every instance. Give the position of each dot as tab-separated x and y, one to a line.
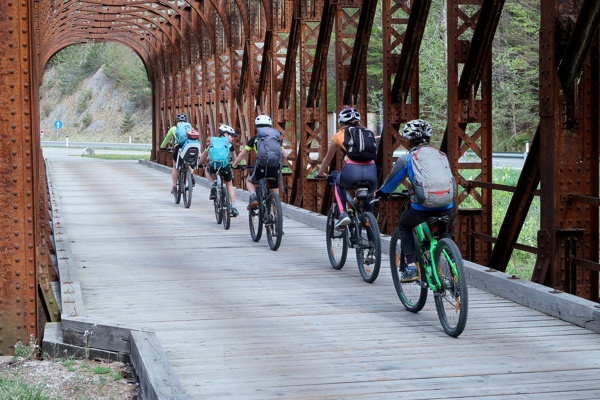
433	183
268	147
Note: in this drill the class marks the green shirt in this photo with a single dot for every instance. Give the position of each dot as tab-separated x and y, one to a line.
170	134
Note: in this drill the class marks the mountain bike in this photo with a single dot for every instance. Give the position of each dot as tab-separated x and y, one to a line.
361	234
441	270
222	201
187	160
268	214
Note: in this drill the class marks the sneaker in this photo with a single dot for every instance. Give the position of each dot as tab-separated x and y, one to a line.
174	190
234	212
253	202
343	221
410	274
213	192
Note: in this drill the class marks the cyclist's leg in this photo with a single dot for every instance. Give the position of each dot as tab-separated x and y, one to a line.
408	220
211	176
274	182
174	172
257	174
228	177
369	174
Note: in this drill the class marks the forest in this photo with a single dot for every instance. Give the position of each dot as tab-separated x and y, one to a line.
515	82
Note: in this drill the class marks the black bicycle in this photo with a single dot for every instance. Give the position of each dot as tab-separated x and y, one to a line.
186	162
441	269
268	214
361	234
222	201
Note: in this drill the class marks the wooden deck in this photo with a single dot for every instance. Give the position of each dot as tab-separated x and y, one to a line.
239	321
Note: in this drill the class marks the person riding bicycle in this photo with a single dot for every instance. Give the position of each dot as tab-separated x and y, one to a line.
418	133
359	145
270	156
175	134
218	155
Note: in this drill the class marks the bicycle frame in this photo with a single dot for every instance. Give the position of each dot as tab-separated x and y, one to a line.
424	235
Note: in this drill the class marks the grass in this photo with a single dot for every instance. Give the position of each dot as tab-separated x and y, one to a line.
16	389
121	156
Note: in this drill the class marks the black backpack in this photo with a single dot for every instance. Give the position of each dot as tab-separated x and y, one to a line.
360	144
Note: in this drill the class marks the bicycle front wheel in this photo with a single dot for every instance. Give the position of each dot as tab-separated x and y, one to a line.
225	207
179	188
187	188
452	302
255	221
413	295
273	220
368	249
337	239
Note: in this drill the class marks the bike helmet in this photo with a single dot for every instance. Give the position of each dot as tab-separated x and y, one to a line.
226	129
181	118
263	120
417	129
193	134
348	115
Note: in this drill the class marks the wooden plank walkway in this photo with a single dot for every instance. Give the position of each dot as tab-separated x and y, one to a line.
239	321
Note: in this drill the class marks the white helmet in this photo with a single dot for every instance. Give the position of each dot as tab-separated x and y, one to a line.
348	115
226	129
263	120
417	129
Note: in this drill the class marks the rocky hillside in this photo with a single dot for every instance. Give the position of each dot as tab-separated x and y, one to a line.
97	111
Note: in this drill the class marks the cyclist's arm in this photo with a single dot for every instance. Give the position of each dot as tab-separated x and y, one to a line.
203	157
242	156
399	172
336	143
170	135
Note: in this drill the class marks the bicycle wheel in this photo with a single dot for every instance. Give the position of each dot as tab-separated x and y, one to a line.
413	295
187	188
225	207
337	239
179	187
255	220
273	220
217	206
368	249
452	302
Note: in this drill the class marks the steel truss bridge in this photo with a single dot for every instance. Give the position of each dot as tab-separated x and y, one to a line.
224	61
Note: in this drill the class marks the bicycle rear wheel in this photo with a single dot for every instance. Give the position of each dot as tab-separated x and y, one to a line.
255	220
273	220
179	187
187	188
337	239
413	295
368	249
452	303
225	207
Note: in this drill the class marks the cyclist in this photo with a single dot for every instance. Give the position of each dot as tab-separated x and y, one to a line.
358	167
418	133
264	128
226	133
181	119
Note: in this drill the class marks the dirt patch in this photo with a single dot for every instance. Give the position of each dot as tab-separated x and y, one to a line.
74	378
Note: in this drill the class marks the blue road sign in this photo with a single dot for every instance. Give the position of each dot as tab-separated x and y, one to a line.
58	124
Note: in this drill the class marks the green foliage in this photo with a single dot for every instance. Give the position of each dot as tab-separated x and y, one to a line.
14	388
127	123
76	63
86	120
83	100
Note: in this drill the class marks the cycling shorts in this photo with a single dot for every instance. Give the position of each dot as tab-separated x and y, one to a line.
259	173
226	170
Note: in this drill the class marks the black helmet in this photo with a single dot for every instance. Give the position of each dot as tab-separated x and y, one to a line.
181	118
417	129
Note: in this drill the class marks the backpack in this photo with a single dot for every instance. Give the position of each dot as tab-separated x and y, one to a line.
360	144
181	132
433	182
268	147
218	152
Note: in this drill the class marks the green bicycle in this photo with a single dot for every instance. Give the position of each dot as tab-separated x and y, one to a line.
441	269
